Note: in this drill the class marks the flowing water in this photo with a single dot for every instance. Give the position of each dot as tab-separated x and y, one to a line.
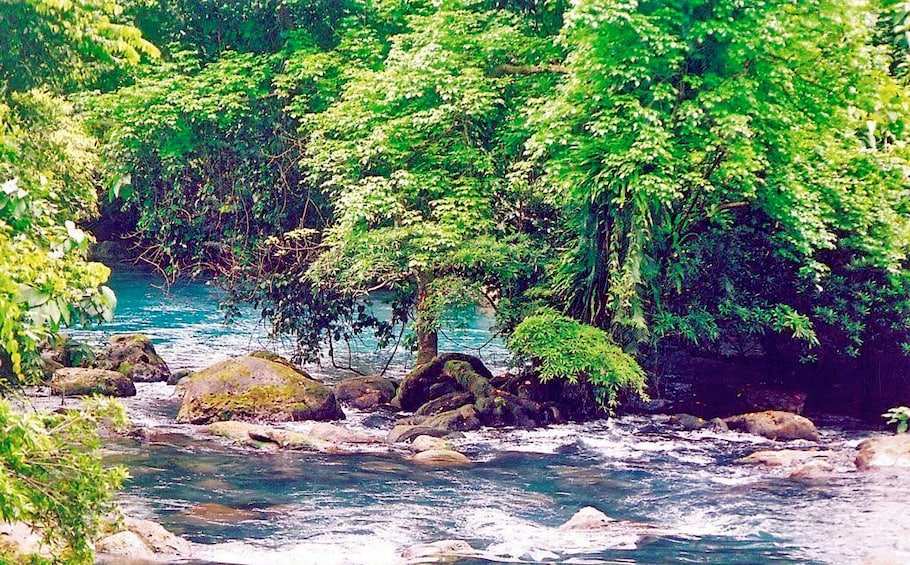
251	507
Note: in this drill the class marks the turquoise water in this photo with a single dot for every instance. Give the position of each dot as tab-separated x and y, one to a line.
291	507
189	330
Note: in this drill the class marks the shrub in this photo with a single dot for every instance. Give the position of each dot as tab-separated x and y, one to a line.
565	349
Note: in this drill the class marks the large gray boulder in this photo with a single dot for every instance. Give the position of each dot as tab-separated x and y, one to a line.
256	390
76	381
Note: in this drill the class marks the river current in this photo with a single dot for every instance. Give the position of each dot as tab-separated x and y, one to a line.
251	507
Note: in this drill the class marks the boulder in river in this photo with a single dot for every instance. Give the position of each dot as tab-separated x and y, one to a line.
460	420
76	381
157	538
439	377
885	451
774	424
365	393
134	356
255	389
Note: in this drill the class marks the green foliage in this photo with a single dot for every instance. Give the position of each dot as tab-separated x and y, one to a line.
899	415
63	44
565	349
47	164
600	157
51	475
674	116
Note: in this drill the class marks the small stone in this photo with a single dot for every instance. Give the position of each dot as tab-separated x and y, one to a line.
407	432
450	548
441	458
426	443
178	375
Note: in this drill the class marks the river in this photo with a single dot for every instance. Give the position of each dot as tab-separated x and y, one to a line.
250	507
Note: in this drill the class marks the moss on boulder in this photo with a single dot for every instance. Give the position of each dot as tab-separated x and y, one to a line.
255	390
134	356
431	380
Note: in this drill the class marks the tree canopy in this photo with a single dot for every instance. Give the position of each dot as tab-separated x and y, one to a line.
597	157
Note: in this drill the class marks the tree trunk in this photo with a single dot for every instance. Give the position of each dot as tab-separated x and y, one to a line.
427	338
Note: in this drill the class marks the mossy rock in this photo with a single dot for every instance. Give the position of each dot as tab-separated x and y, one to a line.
446	373
134	356
255	390
76	381
365	393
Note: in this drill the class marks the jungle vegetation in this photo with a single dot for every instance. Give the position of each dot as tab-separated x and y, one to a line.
723	176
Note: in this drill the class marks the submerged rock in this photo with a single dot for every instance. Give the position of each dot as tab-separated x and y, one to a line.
134	356
587	519
593	521
782	457
75	381
887	451
774	424
336	434
365	393
254	389
444	549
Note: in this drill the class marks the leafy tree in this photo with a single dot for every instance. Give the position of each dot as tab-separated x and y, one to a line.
678	120
51	476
